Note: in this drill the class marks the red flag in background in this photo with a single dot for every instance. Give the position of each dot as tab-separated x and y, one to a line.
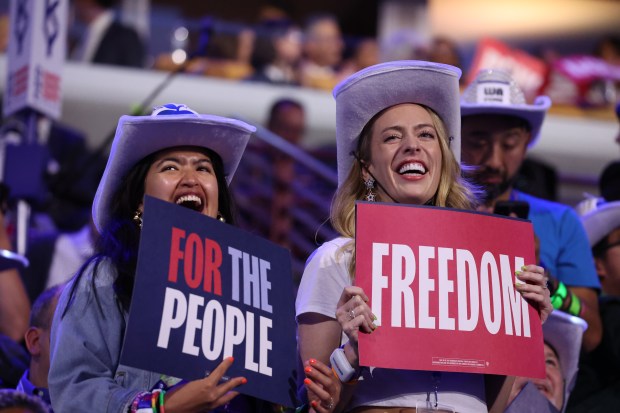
528	71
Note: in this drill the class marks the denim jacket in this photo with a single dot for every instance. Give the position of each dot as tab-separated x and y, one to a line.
85	374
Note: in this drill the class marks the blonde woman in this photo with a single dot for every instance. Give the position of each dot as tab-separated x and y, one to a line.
398	140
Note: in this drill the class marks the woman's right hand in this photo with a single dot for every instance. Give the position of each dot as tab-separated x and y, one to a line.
204	394
322	385
354	315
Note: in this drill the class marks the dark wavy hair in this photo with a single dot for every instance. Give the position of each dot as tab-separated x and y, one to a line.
119	239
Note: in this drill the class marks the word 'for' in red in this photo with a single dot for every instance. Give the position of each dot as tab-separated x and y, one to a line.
201	259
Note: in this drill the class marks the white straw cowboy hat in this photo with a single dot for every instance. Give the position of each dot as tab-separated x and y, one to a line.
168	126
366	93
494	92
599	218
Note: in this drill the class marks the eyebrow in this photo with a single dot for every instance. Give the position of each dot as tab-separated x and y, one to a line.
403	128
178	160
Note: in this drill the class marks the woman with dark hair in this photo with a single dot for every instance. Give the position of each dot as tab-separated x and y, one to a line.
175	155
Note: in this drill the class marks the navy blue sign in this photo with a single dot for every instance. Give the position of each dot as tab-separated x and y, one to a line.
205	291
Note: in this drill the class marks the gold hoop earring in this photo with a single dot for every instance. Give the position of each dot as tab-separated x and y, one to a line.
137	218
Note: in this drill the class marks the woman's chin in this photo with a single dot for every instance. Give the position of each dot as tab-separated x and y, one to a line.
413	199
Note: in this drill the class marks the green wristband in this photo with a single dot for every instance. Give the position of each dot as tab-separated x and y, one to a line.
575	305
558	297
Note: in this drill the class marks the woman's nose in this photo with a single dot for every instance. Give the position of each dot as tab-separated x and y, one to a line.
189	178
411	143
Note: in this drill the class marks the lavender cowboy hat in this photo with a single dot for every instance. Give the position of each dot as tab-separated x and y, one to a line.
168	126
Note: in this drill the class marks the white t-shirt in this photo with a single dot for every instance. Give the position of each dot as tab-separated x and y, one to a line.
325	276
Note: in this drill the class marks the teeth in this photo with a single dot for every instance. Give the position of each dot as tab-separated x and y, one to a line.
189	198
412	167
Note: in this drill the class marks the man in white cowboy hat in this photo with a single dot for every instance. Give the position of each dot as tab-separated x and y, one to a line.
598	383
562	334
498	126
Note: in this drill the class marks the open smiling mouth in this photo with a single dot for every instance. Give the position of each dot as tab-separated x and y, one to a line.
413	168
192	202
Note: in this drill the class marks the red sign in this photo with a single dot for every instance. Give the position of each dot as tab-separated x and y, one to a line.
586	69
441	283
528	71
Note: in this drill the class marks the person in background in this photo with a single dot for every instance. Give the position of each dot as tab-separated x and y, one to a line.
106	40
175	155
14	401
14	302
322	53
277	52
14	361
287	120
276	172
365	53
598	383
445	50
14	309
37	338
618	119
4	31
73	174
562	334
609	182
397	129
498	128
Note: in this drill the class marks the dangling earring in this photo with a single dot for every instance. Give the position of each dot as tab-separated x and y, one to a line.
370	185
220	217
137	218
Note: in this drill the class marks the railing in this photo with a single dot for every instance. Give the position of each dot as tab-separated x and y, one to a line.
284	194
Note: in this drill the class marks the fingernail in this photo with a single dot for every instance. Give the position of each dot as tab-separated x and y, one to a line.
373	326
518	286
308	369
244	380
374	317
523	268
307	381
313	403
231	358
518	273
312	361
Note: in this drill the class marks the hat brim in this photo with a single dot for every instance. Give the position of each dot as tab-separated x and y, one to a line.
366	93
601	221
139	136
533	114
564	333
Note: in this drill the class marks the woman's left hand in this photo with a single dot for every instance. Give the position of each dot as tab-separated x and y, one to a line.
323	386
533	287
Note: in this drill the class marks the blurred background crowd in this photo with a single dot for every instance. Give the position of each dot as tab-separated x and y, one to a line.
274	63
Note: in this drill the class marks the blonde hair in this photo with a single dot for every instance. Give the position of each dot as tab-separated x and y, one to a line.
453	190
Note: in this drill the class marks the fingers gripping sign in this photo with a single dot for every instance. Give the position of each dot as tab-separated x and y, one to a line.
322	385
354	314
207	393
533	287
